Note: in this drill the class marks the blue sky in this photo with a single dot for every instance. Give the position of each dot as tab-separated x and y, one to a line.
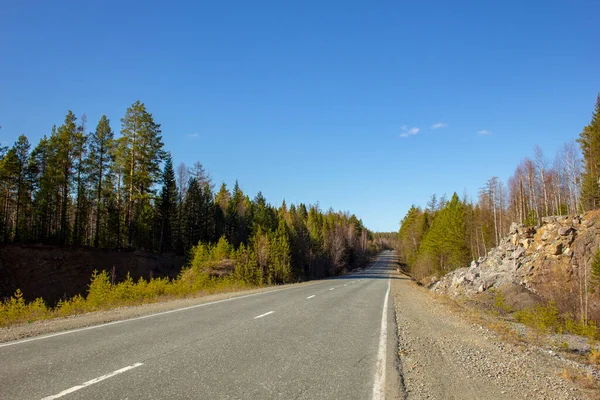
315	101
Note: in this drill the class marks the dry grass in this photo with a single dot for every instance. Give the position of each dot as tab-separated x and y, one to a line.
581	379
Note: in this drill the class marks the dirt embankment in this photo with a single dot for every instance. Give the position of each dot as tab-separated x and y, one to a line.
445	356
56	272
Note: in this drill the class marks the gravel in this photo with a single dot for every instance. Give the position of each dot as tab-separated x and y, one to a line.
445	356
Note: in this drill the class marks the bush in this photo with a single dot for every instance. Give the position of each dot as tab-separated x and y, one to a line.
543	319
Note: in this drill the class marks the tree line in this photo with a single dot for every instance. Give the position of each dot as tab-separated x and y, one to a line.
91	188
446	234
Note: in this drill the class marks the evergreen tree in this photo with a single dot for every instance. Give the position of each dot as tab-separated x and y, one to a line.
79	155
222	199
63	143
589	140
444	242
168	207
99	163
142	146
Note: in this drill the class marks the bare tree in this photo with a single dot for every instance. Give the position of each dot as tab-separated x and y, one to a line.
183	176
542	166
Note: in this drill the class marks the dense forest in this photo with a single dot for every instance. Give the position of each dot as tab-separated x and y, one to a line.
91	188
448	233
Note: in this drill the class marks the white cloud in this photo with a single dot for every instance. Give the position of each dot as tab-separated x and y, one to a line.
439	125
406	131
483	132
193	135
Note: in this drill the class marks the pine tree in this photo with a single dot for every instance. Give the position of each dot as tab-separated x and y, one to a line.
143	148
279	254
62	144
99	163
21	151
168	207
444	242
589	140
222	199
79	154
40	173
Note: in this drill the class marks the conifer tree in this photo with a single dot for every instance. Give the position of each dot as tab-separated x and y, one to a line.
99	163
168	207
142	146
63	143
589	140
79	154
17	161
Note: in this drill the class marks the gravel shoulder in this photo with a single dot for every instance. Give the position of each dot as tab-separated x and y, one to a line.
442	355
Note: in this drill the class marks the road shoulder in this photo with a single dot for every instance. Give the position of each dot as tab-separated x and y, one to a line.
442	355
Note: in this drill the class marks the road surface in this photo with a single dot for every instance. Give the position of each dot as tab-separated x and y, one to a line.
331	339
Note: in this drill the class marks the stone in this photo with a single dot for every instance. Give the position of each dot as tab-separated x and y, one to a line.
556	249
565	230
526	243
547	235
519	252
547	220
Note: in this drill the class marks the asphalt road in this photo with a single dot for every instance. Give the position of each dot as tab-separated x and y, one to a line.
332	339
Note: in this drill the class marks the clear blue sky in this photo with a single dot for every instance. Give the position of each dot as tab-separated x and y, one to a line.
315	101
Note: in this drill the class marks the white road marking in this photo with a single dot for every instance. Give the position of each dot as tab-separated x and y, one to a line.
96	380
332	288
345	285
263	315
379	380
353	282
310	297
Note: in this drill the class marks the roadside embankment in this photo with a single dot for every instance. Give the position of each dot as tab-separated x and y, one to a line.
444	354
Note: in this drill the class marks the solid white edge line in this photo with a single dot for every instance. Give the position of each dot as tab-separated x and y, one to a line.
310	297
379	380
91	382
264	315
138	318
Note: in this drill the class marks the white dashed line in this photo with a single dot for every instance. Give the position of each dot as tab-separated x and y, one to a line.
345	285
263	315
88	383
310	297
332	288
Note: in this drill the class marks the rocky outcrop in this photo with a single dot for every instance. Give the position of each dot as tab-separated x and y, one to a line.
529	257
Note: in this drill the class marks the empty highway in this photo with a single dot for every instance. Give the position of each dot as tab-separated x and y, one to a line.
330	339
